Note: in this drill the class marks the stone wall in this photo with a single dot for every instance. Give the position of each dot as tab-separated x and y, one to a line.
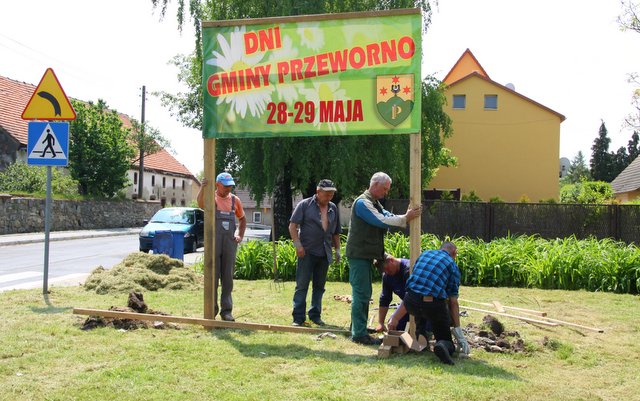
25	215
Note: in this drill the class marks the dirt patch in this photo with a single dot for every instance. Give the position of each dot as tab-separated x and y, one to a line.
135	304
492	336
139	272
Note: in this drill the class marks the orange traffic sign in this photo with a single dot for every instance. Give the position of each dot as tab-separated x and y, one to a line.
49	102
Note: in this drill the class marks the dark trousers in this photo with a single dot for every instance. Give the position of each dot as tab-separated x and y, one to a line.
436	311
310	268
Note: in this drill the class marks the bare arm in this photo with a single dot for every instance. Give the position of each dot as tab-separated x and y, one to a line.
396	316
200	197
293	232
454	310
241	229
382	315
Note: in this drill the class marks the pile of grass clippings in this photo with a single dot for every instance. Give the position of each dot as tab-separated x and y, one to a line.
143	272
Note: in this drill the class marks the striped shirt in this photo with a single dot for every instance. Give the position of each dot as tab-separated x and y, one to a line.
435	273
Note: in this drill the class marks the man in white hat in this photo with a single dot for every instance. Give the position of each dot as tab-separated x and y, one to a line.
227	208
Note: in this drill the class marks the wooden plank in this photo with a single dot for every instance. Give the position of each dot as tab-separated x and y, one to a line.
535	312
498	306
206	322
526	319
391	340
564	323
384	351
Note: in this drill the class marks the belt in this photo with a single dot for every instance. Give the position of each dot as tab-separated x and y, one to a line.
427	298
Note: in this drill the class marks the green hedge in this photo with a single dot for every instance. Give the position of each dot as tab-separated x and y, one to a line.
524	261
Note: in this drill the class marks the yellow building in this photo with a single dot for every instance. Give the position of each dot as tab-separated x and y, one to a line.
507	145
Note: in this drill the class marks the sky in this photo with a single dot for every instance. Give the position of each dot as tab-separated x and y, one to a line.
568	55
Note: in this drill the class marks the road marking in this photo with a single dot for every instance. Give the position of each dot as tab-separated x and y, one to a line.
18	276
66	280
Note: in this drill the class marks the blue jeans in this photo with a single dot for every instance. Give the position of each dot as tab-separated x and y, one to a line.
309	268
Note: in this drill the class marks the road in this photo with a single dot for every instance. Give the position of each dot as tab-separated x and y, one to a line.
22	266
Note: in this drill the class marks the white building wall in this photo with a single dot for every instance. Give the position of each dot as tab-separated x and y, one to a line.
176	191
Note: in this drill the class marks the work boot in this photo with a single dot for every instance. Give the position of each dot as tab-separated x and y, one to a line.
318	321
228	317
366	340
442	352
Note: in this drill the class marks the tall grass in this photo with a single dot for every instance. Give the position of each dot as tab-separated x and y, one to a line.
522	261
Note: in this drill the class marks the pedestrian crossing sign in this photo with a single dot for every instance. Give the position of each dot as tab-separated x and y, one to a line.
48	144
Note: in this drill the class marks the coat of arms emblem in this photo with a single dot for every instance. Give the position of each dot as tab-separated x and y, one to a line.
394	97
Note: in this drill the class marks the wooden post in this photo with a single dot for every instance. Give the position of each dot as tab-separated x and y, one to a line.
415	199
209	226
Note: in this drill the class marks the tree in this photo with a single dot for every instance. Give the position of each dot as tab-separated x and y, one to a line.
601	160
578	170
99	153
282	166
628	21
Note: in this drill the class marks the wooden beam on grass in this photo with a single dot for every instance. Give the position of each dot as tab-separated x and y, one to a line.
206	322
535	312
563	323
526	319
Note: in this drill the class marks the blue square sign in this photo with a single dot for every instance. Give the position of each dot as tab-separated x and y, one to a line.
48	144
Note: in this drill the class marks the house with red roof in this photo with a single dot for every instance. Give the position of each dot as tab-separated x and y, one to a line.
165	178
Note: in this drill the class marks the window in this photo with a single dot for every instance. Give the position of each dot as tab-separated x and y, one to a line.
459	101
153	180
135	178
490	102
183	185
257	217
174	183
164	182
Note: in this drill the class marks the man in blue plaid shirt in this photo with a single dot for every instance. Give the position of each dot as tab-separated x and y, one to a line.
434	279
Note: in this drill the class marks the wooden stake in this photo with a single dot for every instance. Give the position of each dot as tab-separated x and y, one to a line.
206	322
415	200
209	226
498	306
526	319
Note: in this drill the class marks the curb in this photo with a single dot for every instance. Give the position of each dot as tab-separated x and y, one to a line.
60	236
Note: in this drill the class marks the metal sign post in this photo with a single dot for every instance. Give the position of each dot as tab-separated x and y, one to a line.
48	142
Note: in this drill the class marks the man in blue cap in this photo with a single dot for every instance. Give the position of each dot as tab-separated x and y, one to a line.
227	208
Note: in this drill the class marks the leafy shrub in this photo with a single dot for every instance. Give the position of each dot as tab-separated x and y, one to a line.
22	178
471	197
587	192
523	261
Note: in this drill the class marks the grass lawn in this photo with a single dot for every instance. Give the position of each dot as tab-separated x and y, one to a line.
45	356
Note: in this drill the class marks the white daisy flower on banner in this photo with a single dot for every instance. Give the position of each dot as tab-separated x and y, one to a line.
326	90
311	35
233	58
287	91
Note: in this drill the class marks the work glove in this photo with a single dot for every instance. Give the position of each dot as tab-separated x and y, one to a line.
463	345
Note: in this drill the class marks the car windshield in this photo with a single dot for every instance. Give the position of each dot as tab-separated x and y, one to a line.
174	216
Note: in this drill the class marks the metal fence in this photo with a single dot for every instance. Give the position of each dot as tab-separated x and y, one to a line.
492	220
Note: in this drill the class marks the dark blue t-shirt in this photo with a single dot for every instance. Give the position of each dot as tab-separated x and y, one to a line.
394	284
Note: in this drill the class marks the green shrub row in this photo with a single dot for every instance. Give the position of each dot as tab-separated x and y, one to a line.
524	261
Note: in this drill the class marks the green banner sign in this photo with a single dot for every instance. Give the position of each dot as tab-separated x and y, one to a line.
331	74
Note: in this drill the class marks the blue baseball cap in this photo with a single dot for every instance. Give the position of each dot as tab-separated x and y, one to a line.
225	179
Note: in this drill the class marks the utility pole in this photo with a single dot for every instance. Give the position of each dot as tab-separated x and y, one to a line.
141	148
